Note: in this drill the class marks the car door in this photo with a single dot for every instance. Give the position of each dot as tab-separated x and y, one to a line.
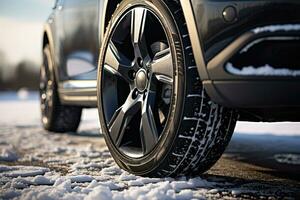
80	45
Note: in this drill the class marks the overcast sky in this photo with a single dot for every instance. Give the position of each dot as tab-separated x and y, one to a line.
21	25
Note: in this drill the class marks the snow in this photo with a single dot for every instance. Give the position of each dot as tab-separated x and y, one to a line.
91	165
42	180
293	159
8	154
26	103
114	170
9	106
275	28
63	188
180	185
100	192
236	192
260	128
266	70
22	171
81	178
213	191
184	194
125	176
35	164
23	94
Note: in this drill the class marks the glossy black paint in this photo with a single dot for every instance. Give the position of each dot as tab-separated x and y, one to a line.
80	38
216	33
75	29
258	98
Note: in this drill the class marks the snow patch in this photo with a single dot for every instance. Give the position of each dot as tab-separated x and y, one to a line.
18	183
275	28
90	165
10	194
293	159
213	191
42	180
113	170
23	94
100	192
236	192
125	176
8	154
89	172
22	171
266	70
81	178
185	194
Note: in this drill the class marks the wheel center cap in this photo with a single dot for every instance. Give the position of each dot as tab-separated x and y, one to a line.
141	80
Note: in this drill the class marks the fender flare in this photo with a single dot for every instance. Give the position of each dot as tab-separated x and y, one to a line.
48	33
195	38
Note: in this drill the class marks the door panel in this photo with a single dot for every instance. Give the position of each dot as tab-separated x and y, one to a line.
81	45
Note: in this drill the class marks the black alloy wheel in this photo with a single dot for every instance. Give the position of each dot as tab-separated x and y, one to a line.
137	82
46	87
154	112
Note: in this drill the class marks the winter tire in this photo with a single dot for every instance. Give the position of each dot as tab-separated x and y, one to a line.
55	116
156	117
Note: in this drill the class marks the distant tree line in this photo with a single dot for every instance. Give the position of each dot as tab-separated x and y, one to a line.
24	75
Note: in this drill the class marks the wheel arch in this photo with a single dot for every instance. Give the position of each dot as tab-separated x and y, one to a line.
109	7
48	40
195	38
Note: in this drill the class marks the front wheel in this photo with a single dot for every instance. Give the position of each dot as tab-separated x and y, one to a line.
155	115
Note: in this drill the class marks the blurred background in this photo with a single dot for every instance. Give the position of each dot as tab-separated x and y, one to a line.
21	28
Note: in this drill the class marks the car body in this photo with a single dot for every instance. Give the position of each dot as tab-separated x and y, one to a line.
215	42
266	97
244	53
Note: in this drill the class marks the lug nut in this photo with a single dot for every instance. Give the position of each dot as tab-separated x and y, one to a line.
140	62
135	94
229	14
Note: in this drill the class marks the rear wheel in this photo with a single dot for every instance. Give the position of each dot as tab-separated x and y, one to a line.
55	116
154	112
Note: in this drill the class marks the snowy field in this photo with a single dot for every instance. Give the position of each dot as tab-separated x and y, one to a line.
261	162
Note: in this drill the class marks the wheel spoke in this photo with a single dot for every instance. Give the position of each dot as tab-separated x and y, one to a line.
138	21
162	66
116	63
148	130
122	117
145	62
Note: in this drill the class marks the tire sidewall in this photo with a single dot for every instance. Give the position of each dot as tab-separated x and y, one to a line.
47	54
148	163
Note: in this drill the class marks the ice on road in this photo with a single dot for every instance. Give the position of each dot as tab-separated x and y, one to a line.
262	161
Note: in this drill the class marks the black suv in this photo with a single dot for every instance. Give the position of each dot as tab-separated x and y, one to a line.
170	78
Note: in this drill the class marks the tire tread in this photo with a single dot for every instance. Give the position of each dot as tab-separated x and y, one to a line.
206	127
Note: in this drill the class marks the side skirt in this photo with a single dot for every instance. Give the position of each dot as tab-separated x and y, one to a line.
79	92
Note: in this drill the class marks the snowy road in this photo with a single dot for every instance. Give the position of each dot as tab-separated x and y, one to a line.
262	161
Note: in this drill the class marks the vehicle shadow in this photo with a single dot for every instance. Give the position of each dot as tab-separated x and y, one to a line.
253	187
84	132
89	133
269	157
